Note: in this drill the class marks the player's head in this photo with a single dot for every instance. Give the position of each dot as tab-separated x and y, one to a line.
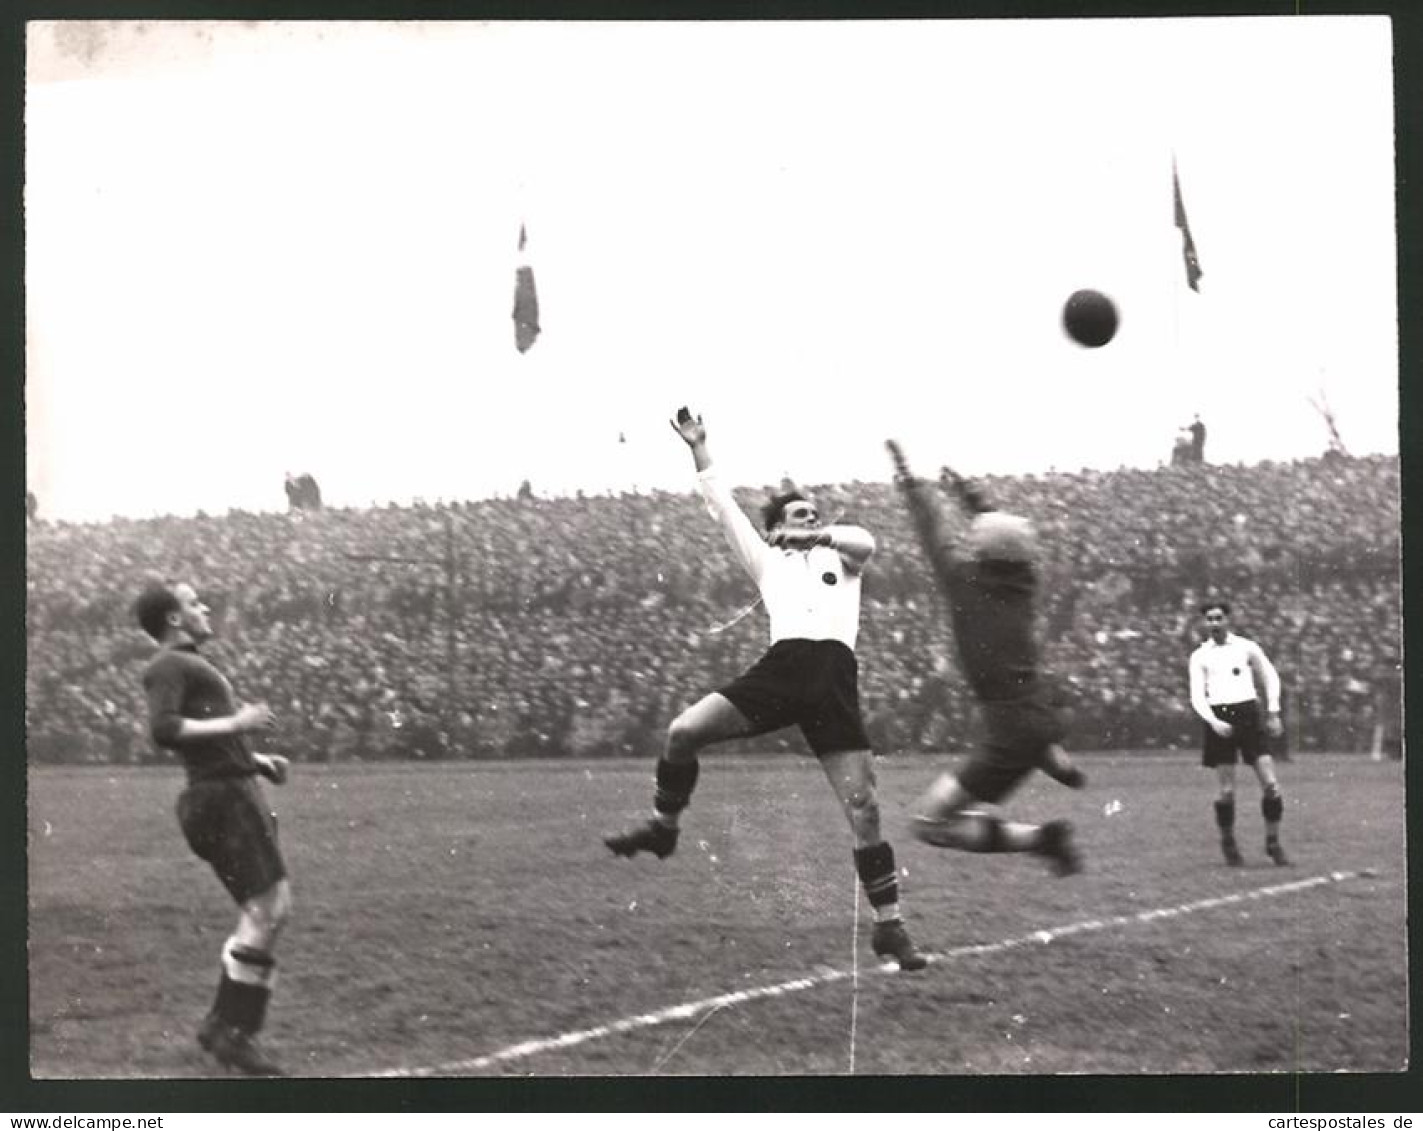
792	510
1217	617
165	608
995	536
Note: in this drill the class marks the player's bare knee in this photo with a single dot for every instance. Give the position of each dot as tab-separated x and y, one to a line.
862	809
269	911
860	797
684	737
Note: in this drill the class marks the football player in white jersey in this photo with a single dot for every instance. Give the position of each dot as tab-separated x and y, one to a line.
808	576
1228	674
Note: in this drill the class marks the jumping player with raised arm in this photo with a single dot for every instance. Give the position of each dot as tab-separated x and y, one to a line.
986	570
808	576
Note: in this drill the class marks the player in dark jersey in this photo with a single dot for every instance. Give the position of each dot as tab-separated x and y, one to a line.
988	577
223	815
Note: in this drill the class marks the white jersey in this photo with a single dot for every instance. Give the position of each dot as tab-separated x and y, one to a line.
1225	673
809	594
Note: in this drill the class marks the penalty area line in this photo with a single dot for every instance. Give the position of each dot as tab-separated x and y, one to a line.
826	976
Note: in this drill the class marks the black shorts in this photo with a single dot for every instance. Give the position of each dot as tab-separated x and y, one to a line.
813	684
1019	733
228	824
1248	736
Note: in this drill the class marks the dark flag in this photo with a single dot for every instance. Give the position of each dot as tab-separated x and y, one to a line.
1188	245
526	302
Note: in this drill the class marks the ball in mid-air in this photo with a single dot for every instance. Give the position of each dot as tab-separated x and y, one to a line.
1090	318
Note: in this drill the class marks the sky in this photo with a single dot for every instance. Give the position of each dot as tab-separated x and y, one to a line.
254	248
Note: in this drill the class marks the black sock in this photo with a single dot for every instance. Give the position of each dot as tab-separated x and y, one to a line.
1272	806
675	782
875	867
244	1004
1225	815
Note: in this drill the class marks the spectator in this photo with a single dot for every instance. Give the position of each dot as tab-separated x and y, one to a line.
631	584
303	492
1181	448
1198	440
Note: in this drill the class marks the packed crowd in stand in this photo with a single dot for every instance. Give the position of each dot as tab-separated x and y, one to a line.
579	626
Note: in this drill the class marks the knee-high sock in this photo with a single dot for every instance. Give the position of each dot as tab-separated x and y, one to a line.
675	782
1225	815
880	879
1272	808
248	975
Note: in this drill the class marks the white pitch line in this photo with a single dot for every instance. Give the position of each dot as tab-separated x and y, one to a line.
825	977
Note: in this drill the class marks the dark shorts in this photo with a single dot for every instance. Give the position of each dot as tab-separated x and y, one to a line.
228	824
1018	735
1248	738
813	684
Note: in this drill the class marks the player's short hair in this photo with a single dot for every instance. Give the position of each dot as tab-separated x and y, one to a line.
1223	606
153	606
995	536
775	509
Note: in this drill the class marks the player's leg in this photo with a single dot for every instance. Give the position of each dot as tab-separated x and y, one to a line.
1225	812
713	718
1219	753
955	812
852	776
1272	806
248	861
249	975
1060	767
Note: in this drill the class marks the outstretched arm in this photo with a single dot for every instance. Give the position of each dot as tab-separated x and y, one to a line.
749	547
694	435
929	521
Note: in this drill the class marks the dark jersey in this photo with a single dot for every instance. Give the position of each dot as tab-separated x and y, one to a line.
180	684
991	603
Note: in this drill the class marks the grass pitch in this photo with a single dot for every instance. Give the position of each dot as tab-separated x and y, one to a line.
460	919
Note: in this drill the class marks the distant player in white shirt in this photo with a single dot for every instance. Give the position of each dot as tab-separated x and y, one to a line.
808	577
1228	674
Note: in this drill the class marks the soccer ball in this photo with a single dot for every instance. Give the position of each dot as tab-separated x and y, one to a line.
1090	318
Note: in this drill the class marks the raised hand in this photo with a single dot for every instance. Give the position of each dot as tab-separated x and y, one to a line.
902	475
689	427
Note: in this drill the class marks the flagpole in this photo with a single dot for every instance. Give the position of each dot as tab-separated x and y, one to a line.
1175	284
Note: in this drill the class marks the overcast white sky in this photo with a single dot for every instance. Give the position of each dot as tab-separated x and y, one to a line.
254	248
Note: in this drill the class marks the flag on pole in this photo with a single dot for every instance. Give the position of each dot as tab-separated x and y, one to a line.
1188	244
526	301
